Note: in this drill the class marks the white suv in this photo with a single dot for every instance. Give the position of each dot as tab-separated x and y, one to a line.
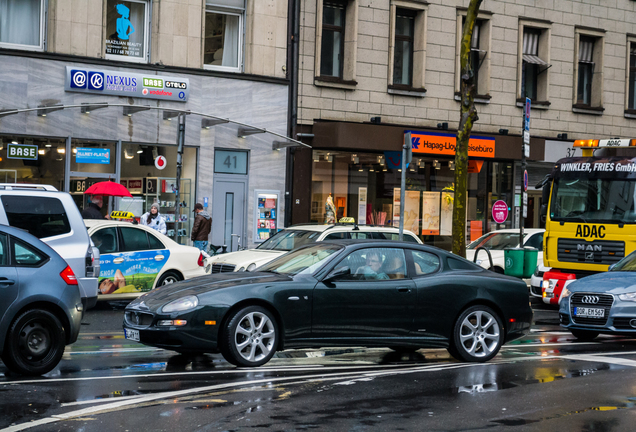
299	235
53	217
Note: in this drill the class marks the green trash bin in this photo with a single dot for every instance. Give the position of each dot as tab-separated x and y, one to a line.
530	261
514	260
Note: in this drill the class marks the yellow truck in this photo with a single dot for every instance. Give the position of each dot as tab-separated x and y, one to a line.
590	214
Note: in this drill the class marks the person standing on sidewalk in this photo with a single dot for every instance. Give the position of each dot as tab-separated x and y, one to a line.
93	209
201	228
154	220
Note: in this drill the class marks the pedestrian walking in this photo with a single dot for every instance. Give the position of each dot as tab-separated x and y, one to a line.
201	228
153	219
93	210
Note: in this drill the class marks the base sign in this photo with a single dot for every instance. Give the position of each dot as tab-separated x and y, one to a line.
499	211
22	151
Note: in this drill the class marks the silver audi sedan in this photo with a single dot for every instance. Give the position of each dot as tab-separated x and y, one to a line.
602	303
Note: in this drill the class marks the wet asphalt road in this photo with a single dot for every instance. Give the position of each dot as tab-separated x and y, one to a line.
546	381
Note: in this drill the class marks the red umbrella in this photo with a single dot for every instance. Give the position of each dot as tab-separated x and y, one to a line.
108	188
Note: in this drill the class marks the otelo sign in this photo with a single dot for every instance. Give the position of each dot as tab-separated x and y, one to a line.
22	151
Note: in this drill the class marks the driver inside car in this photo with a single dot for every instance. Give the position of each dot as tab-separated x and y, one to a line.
372	268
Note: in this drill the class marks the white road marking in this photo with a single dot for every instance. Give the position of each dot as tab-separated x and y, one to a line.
124	404
602	359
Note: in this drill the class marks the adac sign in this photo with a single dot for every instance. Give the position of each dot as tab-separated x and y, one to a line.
444	144
117	83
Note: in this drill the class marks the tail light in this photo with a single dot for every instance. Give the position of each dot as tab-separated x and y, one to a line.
68	276
200	260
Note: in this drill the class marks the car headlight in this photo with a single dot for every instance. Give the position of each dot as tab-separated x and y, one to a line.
628	297
251	267
182	304
565	293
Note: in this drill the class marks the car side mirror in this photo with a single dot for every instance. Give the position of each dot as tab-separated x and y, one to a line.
338	273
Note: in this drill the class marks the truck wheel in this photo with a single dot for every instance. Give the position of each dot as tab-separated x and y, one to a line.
584	335
35	343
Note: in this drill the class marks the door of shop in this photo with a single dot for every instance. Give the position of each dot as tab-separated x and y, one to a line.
228	212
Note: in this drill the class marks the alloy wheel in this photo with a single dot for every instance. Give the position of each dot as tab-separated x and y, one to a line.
479	334
255	336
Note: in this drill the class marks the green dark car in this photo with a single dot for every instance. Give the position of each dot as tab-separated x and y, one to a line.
343	293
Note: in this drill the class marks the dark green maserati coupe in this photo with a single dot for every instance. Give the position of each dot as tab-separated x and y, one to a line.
342	293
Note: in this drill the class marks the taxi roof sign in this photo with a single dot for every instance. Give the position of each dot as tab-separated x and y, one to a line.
612	142
121	215
347	220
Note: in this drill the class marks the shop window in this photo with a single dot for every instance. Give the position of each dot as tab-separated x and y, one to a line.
479	57
533	65
223	35
336	36
47	168
93	156
407	51
631	76
127	30
22	24
588	72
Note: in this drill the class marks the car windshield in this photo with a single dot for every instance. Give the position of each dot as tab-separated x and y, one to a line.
303	261
626	264
497	241
287	240
593	200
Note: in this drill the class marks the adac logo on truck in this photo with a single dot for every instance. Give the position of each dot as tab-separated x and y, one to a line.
593	231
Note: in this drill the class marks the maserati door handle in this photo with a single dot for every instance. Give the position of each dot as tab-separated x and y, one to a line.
404	289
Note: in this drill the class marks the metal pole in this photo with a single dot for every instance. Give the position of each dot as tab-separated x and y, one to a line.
523	155
180	143
402	187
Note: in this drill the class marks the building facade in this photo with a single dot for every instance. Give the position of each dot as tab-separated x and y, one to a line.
134	65
371	70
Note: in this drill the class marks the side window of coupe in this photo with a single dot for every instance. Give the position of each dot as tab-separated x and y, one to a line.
425	263
375	264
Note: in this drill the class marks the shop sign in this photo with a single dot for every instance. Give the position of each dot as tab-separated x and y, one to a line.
499	211
134	185
117	83
92	155
444	144
22	151
126	23
160	162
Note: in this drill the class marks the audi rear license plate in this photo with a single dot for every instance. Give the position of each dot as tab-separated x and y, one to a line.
589	312
131	334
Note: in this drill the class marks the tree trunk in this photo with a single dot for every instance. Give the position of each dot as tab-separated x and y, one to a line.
468	115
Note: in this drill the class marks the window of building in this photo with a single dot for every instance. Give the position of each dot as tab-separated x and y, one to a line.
407	48
479	56
223	47
22	24
127	30
631	93
588	72
534	63
336	29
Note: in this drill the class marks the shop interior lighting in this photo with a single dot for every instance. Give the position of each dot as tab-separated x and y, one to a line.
245	131
207	123
14	142
361	169
384	168
437	165
381	160
140	150
355	159
451	165
130	110
44	109
128	155
88	107
74	151
420	163
329	158
61	150
316	157
41	152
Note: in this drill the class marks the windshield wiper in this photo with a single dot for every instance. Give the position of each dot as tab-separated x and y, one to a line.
270	271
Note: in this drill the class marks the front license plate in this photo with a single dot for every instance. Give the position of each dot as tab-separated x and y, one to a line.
589	312
131	334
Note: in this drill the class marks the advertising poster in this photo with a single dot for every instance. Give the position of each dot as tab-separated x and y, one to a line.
396	207
476	230
137	272
412	210
446	217
430	213
125	28
362	206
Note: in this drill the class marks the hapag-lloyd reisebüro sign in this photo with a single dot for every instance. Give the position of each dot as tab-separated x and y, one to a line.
117	83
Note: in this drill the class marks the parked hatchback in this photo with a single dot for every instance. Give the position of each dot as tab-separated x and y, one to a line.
37	319
300	235
53	217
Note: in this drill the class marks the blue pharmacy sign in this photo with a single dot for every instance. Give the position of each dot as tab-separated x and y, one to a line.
92	155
